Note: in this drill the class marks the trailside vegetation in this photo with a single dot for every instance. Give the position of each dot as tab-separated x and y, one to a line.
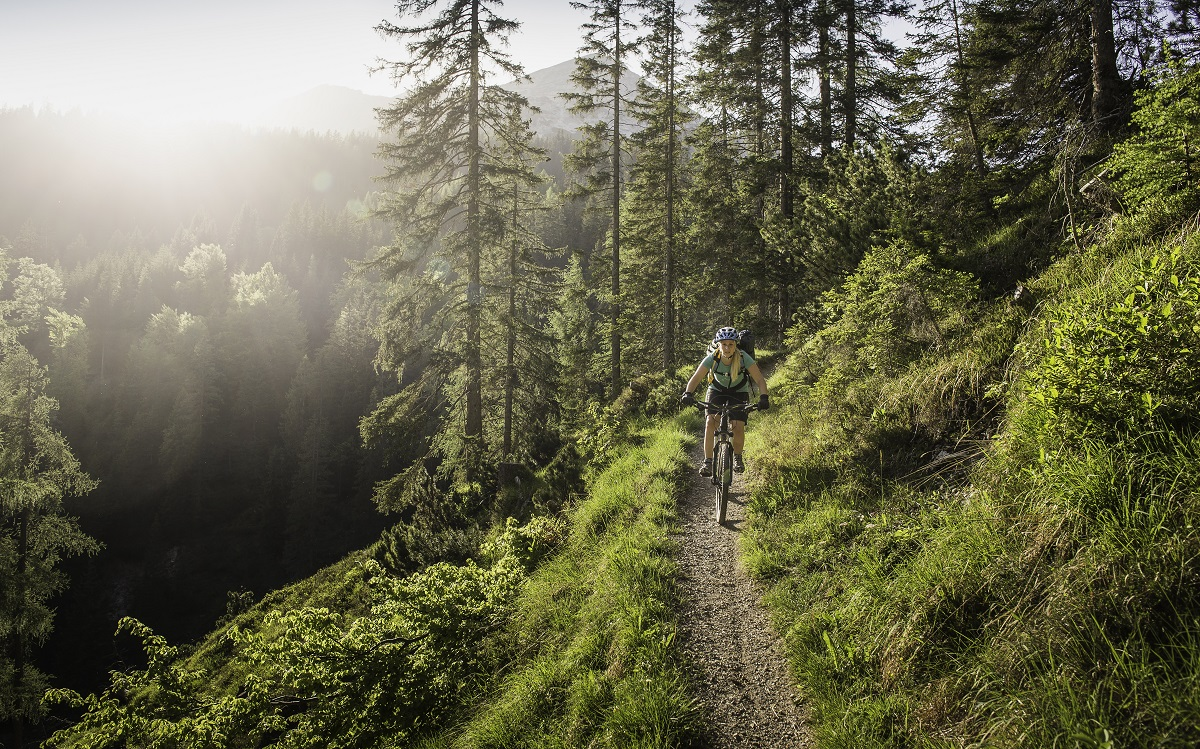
976	517
559	631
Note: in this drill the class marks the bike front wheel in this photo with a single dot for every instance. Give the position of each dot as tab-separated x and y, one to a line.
723	473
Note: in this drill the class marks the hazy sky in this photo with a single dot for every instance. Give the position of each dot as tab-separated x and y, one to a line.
175	60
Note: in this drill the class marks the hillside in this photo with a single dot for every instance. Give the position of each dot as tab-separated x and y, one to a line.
970	518
1034	582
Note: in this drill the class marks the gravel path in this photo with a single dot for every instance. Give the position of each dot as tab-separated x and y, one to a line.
734	657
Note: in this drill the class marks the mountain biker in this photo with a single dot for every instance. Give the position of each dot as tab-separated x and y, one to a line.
731	372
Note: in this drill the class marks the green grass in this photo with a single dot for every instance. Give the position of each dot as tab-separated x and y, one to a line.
1015	593
595	627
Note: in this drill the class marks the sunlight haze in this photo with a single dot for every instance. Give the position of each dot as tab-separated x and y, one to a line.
220	60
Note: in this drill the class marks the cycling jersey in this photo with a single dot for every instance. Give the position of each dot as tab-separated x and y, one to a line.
721	373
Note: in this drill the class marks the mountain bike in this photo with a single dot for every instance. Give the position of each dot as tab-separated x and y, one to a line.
722	475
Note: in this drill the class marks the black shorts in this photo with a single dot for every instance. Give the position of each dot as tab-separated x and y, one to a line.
717	398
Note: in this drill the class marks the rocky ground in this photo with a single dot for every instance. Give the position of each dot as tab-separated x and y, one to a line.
734	657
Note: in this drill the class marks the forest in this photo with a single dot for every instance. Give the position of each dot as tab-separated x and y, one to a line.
382	433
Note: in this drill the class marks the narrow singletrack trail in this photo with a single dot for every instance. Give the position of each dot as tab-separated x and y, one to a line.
735	659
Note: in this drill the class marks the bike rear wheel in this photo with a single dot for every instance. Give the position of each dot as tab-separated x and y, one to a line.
723	475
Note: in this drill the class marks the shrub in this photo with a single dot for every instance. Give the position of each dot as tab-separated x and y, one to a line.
1132	363
1163	158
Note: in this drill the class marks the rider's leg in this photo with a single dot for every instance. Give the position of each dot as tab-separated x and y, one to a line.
739	438
710	432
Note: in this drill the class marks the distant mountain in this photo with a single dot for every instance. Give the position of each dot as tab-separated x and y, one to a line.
345	110
326	108
544	90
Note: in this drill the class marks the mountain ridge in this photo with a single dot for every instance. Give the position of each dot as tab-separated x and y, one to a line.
330	108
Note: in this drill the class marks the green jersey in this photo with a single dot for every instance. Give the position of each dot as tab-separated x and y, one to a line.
721	373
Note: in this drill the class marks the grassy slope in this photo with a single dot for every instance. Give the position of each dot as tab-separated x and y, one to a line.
947	574
595	627
937	583
563	637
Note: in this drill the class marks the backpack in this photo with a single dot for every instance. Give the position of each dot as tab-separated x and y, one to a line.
746	342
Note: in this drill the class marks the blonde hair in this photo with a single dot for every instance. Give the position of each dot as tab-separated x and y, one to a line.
735	369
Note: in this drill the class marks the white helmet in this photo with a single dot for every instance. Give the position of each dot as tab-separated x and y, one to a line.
726	334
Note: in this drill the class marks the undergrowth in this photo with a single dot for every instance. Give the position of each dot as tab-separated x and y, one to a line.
558	632
595	625
994	541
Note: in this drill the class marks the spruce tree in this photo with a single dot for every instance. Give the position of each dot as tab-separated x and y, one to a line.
653	199
525	286
736	174
940	85
599	79
450	135
1184	28
869	91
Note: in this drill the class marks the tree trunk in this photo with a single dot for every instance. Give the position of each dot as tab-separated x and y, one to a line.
851	98
21	583
18	634
965	92
615	311
510	353
786	197
823	75
474	420
669	255
1106	80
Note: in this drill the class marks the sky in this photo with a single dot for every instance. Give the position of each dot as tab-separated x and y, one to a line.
171	61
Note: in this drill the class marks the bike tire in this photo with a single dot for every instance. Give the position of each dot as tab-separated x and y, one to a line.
723	472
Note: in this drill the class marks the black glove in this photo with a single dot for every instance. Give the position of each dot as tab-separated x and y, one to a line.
688	399
764	403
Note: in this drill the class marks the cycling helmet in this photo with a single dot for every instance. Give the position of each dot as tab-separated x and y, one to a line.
726	334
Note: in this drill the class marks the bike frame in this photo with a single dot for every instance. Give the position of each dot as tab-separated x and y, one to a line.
722	475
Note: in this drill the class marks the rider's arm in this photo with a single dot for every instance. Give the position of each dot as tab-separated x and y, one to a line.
756	375
700	374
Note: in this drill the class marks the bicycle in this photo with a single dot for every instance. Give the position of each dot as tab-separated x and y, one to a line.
722	475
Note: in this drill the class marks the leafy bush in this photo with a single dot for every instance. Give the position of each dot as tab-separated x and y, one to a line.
894	307
1127	364
1162	159
527	544
418	650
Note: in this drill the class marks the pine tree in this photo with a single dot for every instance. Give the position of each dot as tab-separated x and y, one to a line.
600	69
1184	28
450	168
525	288
868	87
448	131
940	87
737	167
653	198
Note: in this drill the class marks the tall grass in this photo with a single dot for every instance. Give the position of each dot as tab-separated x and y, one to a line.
595	627
1015	589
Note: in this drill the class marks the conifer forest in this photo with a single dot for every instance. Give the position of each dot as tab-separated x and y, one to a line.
375	440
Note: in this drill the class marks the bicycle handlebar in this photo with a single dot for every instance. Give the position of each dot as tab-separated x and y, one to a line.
747	407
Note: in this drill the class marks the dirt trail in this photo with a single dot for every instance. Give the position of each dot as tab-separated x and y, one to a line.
735	658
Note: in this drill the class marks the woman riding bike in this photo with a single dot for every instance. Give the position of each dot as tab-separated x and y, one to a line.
731	372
